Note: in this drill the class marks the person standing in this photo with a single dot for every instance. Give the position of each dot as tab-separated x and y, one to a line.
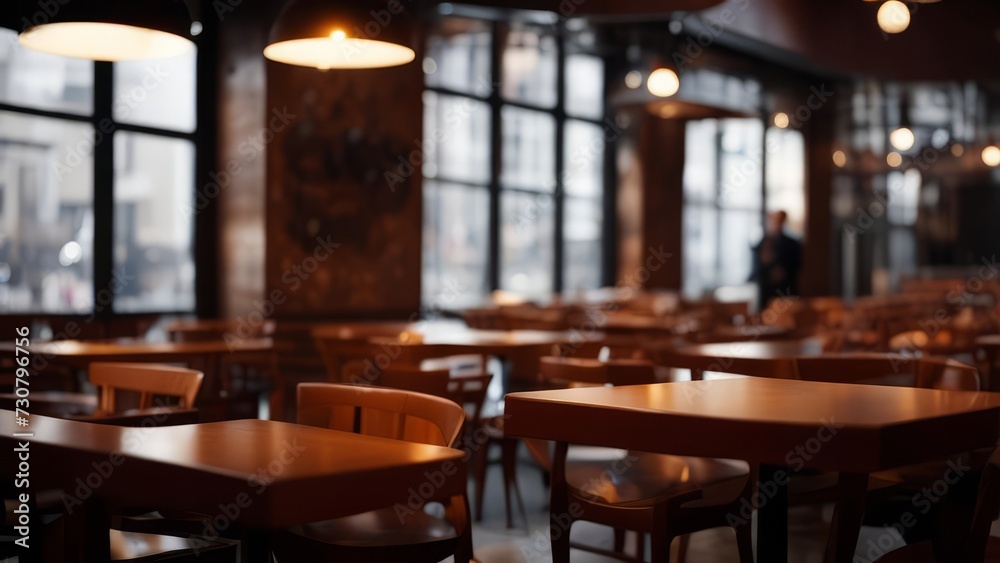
776	261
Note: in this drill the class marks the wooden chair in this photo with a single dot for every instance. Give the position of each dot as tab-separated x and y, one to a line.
148	381
380	535
664	496
972	547
889	493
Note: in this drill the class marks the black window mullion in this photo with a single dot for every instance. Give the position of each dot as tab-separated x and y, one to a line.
496	159
560	115
104	200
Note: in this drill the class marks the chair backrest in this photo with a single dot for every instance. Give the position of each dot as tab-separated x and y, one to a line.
945	373
888	369
411	378
572	372
148	380
378	411
987	508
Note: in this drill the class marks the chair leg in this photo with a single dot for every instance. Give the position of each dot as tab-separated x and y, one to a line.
509	453
619	540
659	547
682	547
744	542
559	533
481	460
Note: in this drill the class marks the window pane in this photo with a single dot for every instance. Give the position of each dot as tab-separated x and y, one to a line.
157	93
700	148
46	215
741	163
529	140
584	159
582	252
529	66
458	131
700	249
458	57
585	86
154	189
456	245
527	245
739	231
903	191
786	176
33	79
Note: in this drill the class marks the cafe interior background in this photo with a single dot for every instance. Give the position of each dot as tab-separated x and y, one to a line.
532	154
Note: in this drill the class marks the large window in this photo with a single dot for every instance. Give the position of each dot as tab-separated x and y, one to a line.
514	180
733	173
72	131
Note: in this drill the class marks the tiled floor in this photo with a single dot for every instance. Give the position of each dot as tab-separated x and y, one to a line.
494	543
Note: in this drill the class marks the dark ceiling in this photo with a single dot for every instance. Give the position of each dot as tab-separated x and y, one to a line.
947	40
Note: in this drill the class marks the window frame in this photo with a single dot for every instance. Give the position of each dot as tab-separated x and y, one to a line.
101	119
497	102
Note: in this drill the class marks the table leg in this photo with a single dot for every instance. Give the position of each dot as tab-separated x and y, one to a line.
772	514
847	517
255	547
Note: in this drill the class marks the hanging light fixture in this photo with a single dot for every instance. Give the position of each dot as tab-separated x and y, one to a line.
663	82
340	34
113	30
893	17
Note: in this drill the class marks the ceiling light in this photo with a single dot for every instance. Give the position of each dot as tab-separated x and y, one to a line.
113	30
340	35
663	82
781	120
893	17
991	156
893	159
633	79
902	138
839	158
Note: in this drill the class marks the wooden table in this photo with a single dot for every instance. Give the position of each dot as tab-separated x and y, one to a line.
206	356
764	421
421	341
265	474
770	358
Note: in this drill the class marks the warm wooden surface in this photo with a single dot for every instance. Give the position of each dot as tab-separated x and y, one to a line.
125	349
763	358
317	473
763	420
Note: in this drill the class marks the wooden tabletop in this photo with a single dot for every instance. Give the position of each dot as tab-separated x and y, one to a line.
763	420
135	348
771	358
315	474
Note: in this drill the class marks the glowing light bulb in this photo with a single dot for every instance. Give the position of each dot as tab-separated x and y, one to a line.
633	79
991	156
338	35
893	17
839	158
902	138
781	120
663	82
893	159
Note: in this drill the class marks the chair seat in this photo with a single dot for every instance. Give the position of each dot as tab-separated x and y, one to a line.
643	479
130	546
922	552
378	528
